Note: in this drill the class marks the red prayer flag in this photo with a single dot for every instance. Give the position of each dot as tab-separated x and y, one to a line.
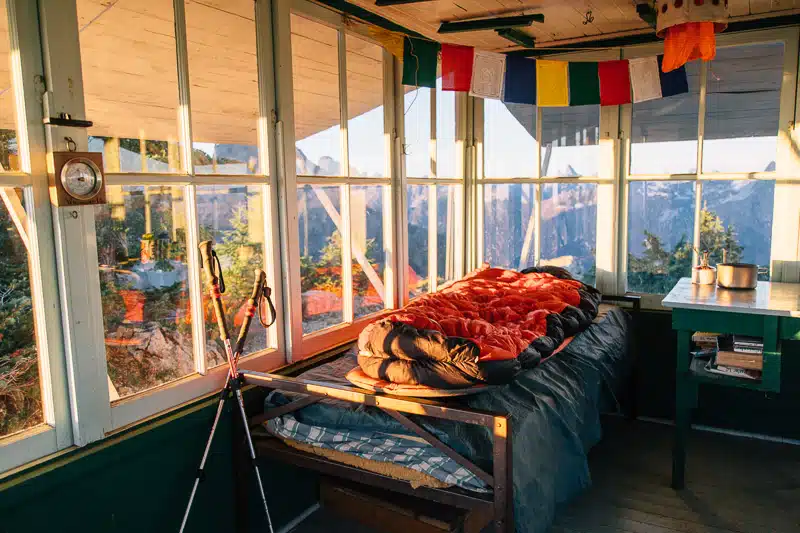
456	67
615	82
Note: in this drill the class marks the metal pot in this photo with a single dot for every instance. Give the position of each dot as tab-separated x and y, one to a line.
737	275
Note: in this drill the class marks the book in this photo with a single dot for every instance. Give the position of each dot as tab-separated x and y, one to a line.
723	370
740	360
704	337
745	341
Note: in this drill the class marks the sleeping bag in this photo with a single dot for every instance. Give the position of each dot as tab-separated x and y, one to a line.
483	329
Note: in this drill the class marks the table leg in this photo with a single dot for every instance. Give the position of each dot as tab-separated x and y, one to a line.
683	407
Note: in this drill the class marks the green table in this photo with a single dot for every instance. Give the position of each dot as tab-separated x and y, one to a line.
771	311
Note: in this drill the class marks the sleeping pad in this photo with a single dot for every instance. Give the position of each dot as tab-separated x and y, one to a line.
484	328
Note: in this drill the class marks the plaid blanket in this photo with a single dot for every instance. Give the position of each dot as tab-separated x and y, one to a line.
402	450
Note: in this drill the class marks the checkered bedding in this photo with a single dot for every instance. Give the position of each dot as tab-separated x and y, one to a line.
402	450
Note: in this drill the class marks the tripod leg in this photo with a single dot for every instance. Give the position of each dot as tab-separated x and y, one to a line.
240	401
200	470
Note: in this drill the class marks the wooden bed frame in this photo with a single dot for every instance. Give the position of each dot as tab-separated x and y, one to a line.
496	506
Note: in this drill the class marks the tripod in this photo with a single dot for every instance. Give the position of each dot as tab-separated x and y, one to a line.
233	381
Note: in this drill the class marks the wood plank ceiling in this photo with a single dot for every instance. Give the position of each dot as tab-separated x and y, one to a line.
564	20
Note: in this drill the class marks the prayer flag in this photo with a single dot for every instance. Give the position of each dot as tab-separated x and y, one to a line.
552	89
420	58
645	81
457	67
391	41
615	82
673	82
520	83
488	74
584	86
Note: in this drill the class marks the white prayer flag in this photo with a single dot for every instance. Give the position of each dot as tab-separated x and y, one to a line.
488	74
645	81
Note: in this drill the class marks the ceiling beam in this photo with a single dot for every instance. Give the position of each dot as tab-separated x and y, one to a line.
518	37
495	23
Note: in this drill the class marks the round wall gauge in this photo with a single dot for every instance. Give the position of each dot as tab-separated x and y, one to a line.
81	178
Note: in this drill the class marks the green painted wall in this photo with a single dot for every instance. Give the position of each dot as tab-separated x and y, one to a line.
742	410
141	483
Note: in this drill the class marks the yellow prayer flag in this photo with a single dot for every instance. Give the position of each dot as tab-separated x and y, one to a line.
391	41
552	83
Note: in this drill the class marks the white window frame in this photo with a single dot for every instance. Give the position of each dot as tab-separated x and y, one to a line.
300	346
606	182
55	433
786	230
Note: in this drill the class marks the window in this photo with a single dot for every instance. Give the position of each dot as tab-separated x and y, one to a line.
668	224
418	199
570	138
569	228
417	106
130	82
223	75
343	206
509	129
9	152
20	387
508	225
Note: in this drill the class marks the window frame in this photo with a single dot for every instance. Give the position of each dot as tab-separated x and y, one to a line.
605	180
784	247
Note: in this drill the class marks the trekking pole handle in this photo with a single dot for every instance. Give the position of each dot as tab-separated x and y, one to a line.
207	257
251	309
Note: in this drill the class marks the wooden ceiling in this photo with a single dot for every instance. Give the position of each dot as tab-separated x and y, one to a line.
564	19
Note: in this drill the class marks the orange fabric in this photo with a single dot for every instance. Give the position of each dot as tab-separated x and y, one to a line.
687	42
502	310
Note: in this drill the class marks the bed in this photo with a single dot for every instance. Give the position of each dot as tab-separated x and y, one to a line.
456	451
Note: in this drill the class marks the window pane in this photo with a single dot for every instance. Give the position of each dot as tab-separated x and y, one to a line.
369	255
664	131
660	229
569	228
317	114
365	128
130	82
141	248
417	270
224	87
508	225
233	217
742	109
418	132
509	140
569	141
446	156
319	221
448	223
20	392
9	156
737	216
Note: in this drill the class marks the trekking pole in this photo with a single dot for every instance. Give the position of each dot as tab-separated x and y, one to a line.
232	380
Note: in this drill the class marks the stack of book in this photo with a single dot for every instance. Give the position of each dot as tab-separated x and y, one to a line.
705	341
738	356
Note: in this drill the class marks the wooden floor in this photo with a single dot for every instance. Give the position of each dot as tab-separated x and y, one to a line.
733	485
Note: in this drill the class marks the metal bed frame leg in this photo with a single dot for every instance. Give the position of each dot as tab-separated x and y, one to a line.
503	478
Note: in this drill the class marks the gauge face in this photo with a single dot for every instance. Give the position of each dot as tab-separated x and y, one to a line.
81	178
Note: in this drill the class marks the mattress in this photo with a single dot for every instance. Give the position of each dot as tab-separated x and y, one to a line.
554	408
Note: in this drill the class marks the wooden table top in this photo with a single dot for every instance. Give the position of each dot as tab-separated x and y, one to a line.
769	298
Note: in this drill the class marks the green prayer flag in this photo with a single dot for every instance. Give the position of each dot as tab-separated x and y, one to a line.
584	84
420	58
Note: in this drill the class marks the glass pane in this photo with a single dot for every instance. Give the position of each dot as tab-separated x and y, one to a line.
369	254
224	87
317	114
9	155
569	141
141	248
742	109
417	269
737	216
446	156
365	128
20	392
418	132
130	83
319	218
569	228
233	217
508	225
509	140
660	229
448	223
664	131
